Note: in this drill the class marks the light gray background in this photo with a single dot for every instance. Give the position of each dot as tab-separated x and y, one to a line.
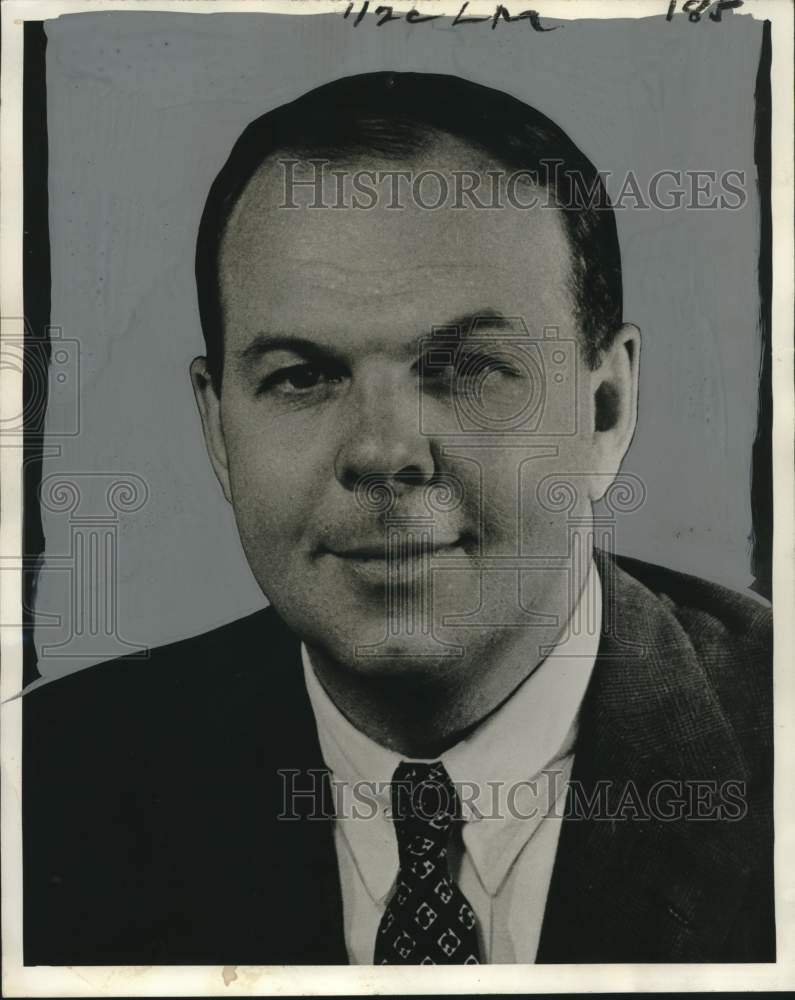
142	111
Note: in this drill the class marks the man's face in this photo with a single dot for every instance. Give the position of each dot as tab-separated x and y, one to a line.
343	418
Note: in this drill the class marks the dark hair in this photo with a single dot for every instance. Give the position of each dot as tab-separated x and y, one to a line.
398	115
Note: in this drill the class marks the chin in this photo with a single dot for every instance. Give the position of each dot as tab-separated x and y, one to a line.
369	652
350	625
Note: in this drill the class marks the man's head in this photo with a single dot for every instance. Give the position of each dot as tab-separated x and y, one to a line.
396	117
398	351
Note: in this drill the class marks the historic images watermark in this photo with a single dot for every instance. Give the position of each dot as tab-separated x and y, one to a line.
316	795
314	183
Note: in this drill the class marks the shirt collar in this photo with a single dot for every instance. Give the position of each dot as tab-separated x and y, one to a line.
533	731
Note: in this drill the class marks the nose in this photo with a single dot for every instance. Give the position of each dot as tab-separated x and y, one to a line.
382	437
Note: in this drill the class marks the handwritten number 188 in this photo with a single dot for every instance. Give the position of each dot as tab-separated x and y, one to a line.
695	8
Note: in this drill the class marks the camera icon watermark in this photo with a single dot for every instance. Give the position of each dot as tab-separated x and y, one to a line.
50	369
497	378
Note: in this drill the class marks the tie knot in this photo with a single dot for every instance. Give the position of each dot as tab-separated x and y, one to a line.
424	806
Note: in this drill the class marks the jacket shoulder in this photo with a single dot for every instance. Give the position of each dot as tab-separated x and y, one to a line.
702	604
731	635
114	725
208	658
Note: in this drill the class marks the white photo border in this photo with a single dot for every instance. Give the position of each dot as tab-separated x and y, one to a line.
91	981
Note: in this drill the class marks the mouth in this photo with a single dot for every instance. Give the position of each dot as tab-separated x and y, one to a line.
375	564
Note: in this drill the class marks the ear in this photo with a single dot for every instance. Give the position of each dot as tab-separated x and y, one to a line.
210	410
614	393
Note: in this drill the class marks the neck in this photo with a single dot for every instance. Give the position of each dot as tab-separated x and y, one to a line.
411	714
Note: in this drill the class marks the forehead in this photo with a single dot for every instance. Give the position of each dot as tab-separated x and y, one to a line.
381	268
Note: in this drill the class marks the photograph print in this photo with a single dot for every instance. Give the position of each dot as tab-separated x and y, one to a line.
396	448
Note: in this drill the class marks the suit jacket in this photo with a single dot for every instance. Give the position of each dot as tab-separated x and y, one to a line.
152	797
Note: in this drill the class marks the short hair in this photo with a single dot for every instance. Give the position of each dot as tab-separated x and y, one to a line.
398	116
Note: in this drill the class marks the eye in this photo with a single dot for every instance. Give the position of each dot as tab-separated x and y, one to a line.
298	380
466	367
477	365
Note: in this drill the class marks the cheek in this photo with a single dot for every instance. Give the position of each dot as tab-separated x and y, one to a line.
520	498
273	487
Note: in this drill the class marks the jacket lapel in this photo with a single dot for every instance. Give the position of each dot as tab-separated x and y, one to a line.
629	883
304	871
255	881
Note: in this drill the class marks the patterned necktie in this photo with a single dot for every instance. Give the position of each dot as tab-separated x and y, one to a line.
428	920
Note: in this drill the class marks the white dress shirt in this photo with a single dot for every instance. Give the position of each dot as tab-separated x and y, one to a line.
511	773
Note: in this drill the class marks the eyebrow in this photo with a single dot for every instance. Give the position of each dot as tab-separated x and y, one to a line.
492	319
264	343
